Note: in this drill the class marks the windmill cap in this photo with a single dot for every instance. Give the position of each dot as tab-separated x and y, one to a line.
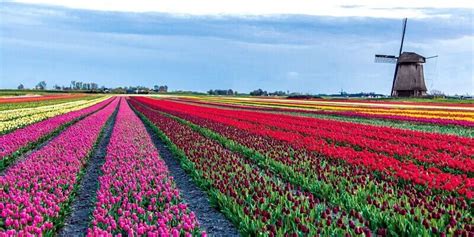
411	57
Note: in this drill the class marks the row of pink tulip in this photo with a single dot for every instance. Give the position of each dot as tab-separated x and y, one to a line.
35	190
11	142
137	196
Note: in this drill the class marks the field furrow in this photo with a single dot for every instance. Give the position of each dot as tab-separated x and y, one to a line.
35	193
136	195
405	208
253	199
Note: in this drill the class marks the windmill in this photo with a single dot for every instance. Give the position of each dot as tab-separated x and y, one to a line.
408	79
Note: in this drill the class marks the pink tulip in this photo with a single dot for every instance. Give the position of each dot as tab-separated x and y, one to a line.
19	138
134	170
47	176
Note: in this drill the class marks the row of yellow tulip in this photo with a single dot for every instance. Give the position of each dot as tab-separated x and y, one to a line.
412	112
14	119
24	112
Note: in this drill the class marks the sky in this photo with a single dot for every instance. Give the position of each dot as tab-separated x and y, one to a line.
300	45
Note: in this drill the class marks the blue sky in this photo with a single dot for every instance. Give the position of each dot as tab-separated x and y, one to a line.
278	51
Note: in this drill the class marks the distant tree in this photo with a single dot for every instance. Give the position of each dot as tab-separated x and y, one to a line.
86	86
259	92
41	85
277	93
119	90
221	92
21	87
436	93
56	87
163	89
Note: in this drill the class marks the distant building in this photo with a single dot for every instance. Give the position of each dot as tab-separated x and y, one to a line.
410	80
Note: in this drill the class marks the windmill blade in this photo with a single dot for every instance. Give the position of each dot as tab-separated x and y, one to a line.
380	58
432	57
403	36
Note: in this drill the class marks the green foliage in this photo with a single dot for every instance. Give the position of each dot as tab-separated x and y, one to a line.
397	224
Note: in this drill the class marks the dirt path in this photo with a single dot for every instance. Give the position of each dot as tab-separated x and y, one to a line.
77	223
210	219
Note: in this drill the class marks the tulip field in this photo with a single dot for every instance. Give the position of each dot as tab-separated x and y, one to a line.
431	117
261	167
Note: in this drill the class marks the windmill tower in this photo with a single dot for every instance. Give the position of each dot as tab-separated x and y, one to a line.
408	79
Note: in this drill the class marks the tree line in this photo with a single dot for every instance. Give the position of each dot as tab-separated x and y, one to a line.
95	88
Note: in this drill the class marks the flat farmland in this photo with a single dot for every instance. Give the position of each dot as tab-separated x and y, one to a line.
108	165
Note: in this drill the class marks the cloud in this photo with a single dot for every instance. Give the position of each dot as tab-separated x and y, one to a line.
339	8
275	29
242	52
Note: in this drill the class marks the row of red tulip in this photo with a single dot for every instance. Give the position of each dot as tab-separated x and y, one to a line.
390	117
137	196
446	143
463	147
338	182
358	138
11	142
256	200
35	190
407	170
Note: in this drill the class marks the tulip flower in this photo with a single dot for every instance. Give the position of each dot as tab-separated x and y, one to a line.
135	179
336	160
252	196
13	141
47	176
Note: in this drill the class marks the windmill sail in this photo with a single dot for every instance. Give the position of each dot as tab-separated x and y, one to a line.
393	93
380	58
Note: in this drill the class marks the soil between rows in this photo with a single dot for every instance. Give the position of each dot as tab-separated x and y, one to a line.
77	223
210	219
